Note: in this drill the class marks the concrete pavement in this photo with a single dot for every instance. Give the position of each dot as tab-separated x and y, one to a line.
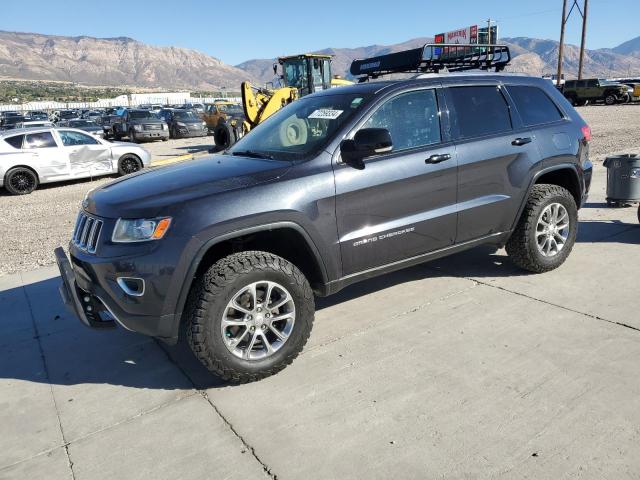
460	368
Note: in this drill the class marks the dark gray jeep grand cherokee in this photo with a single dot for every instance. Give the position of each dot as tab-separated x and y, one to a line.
335	188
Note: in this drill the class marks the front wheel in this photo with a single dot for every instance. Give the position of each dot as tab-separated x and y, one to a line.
610	99
129	164
546	231
249	316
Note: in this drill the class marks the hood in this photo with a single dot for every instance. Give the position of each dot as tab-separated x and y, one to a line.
152	192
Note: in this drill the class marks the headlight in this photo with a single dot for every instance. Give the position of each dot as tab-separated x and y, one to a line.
140	230
204	124
137	128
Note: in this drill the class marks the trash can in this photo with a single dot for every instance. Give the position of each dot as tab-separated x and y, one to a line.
623	179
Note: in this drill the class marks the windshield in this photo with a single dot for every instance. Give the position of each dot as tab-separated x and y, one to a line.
301	129
188	115
141	114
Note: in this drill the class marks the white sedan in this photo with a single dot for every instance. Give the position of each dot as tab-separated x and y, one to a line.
29	157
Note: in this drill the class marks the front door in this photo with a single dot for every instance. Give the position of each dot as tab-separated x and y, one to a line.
87	156
402	204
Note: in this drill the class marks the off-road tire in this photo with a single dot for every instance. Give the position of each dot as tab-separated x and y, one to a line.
209	297
522	247
125	161
25	180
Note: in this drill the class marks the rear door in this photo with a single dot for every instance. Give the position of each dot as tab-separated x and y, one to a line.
495	153
87	155
400	205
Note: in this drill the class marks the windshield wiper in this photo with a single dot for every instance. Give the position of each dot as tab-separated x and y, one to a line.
253	154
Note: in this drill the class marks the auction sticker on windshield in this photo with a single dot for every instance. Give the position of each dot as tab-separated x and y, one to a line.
326	113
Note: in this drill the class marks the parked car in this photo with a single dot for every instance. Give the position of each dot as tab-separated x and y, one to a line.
92	115
198	107
84	125
9	122
43	155
140	125
634	91
184	123
217	111
580	92
334	188
37	115
107	122
59	115
35	123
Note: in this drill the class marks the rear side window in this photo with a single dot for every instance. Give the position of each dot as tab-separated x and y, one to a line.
39	140
480	111
534	106
15	142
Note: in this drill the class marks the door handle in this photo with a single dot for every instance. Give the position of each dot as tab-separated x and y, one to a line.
518	142
437	158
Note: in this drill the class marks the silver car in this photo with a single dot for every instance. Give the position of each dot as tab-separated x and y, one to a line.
29	157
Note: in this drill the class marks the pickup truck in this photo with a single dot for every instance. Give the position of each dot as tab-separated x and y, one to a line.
139	125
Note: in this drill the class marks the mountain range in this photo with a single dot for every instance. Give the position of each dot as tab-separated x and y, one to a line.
123	61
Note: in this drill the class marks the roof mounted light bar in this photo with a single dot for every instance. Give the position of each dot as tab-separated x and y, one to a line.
433	57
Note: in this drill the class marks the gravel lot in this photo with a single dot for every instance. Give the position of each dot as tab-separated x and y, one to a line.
32	226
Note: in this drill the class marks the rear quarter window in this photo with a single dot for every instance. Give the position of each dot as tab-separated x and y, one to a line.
534	106
15	142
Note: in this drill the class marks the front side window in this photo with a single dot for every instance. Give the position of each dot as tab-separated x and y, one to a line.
411	118
301	129
40	140
70	139
534	106
480	110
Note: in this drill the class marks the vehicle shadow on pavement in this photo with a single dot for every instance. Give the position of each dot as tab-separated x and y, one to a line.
196	148
608	231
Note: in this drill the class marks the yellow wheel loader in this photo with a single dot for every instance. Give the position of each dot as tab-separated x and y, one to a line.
301	75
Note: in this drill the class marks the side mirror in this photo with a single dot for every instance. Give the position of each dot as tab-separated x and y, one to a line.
366	143
275	68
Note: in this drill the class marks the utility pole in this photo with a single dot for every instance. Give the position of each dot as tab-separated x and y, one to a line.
563	24
489	31
560	47
584	37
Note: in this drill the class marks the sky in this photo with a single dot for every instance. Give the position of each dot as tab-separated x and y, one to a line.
270	29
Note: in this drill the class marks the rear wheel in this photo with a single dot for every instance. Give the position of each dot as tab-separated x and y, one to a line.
129	164
546	231
20	181
249	316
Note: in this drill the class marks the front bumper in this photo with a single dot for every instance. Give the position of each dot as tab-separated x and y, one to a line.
184	132
151	134
101	306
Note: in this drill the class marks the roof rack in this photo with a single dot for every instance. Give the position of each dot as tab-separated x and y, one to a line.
433	57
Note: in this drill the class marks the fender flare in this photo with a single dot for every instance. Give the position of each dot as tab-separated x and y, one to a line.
204	248
534	179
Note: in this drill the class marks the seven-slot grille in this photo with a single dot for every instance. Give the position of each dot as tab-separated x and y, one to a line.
87	233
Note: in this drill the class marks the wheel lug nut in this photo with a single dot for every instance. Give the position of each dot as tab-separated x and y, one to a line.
259	309
249	317
268	315
264	327
252	329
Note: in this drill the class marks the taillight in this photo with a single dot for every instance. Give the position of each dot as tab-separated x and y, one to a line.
586	133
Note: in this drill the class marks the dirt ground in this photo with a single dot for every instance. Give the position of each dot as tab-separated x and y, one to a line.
32	226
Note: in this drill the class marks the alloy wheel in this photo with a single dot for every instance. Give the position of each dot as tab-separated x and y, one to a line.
258	320
22	182
552	229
